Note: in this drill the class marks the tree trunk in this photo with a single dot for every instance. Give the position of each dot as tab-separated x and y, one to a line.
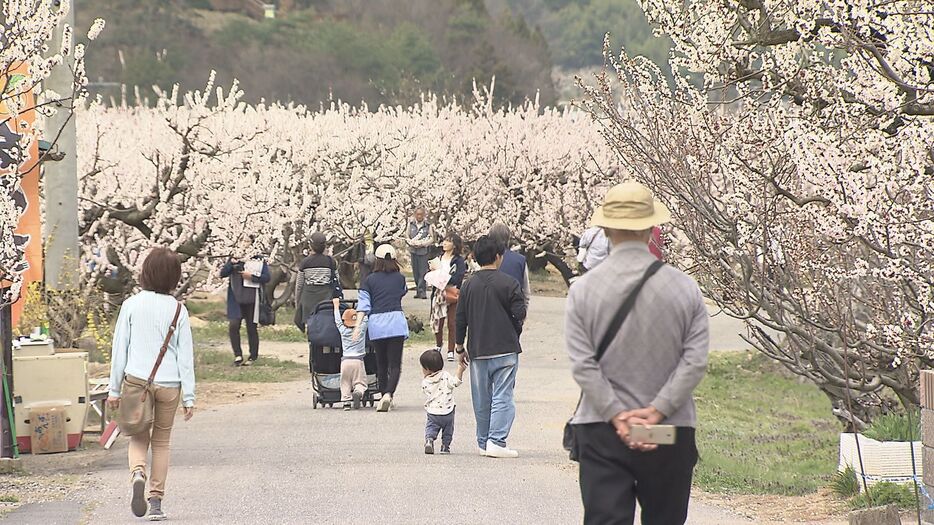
567	273
280	274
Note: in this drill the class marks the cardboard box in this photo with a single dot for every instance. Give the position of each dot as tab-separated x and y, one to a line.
48	429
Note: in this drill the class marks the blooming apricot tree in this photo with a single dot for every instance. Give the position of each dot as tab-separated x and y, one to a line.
203	171
27	30
796	149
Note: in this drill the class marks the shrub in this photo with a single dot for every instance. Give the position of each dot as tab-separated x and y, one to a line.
887	493
895	426
845	484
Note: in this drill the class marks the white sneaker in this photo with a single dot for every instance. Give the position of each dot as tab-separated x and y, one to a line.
385	403
495	451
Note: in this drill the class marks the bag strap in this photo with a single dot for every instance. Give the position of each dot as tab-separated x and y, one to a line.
624	310
621	315
165	345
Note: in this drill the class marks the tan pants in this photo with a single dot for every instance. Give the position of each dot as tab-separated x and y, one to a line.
353	378
164	415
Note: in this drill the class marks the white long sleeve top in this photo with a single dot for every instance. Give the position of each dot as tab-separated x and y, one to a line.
141	327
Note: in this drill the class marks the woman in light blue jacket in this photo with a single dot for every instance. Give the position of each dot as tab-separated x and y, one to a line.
145	320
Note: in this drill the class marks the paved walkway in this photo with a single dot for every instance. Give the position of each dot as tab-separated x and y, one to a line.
279	461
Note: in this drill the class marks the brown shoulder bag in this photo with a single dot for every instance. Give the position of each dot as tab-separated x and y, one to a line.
137	398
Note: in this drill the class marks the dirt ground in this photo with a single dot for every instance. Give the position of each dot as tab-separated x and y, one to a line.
821	507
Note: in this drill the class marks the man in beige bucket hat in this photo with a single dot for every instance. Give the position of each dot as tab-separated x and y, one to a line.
636	333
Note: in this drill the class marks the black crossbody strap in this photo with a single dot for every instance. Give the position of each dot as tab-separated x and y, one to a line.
624	310
621	315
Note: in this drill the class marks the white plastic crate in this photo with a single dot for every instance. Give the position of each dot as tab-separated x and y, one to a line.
882	460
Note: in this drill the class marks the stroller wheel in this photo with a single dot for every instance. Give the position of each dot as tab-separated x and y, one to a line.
314	401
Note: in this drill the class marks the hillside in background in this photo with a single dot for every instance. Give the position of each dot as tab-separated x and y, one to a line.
574	29
377	51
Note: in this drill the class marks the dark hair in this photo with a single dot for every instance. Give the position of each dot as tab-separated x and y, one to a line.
486	249
386	265
431	360
161	271
318	242
457	241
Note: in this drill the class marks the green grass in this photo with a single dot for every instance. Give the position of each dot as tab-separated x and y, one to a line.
8	498
213	366
214	313
762	432
895	427
217	331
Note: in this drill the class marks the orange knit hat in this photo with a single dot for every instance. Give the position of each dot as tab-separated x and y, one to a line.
349	317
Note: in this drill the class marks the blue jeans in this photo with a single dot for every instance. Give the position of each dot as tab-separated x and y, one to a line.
492	382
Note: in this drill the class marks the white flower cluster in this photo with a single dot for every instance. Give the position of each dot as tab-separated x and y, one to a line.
27	31
796	149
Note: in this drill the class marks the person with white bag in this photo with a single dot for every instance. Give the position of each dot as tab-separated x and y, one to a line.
446	278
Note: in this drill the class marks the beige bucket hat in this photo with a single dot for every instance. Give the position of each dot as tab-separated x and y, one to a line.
630	206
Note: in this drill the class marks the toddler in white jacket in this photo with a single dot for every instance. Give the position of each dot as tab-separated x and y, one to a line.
438	387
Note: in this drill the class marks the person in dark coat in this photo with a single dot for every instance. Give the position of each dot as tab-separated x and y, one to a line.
245	275
317	281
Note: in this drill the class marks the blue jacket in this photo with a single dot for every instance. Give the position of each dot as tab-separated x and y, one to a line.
236	293
514	266
381	300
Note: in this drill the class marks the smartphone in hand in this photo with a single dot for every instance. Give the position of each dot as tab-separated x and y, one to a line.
653	435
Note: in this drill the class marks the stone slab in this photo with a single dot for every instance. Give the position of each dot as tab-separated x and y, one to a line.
928	462
927	427
927	389
10	465
887	515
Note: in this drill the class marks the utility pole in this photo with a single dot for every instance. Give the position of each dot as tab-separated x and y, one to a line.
60	235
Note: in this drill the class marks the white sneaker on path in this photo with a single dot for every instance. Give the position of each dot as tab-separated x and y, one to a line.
384	404
495	451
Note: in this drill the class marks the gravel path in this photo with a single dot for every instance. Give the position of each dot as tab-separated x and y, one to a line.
278	461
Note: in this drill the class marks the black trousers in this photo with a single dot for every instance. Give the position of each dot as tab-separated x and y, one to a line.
613	477
252	333
388	363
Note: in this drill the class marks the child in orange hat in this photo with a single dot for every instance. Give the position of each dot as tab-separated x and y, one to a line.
352	326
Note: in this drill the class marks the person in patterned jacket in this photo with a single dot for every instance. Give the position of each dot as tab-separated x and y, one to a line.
317	281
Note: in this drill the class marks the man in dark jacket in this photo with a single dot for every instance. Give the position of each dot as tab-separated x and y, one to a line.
492	310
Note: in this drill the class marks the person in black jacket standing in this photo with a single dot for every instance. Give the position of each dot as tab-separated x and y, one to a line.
243	297
491	309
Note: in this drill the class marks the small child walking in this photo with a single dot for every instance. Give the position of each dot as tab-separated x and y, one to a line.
438	387
352	327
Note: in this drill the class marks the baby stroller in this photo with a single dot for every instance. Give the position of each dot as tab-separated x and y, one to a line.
324	358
